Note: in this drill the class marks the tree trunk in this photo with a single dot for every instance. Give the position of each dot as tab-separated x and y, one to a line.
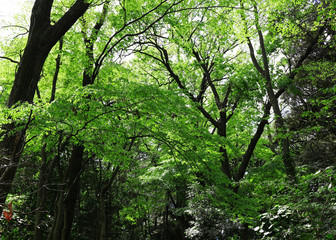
75	167
58	66
41	195
226	168
103	220
9	162
55	232
103	192
42	37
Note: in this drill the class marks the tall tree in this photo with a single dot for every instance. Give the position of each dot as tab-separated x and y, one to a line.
266	72
42	37
68	197
202	65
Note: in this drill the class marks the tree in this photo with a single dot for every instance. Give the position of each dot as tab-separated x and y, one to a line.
42	37
204	71
265	71
154	120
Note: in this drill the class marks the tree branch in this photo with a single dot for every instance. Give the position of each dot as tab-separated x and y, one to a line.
56	31
253	58
108	49
9	59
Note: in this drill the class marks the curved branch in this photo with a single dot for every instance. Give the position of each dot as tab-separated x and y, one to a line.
9	59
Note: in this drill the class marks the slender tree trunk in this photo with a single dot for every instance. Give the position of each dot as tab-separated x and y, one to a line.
253	143
45	177
10	160
11	148
41	194
56	230
279	121
75	167
58	66
103	192
265	71
226	168
103	219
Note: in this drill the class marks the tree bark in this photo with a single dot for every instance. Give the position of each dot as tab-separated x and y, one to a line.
56	230
75	167
103	192
226	168
41	194
253	143
58	66
42	37
11	159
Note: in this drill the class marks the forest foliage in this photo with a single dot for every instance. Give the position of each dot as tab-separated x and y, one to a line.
169	119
